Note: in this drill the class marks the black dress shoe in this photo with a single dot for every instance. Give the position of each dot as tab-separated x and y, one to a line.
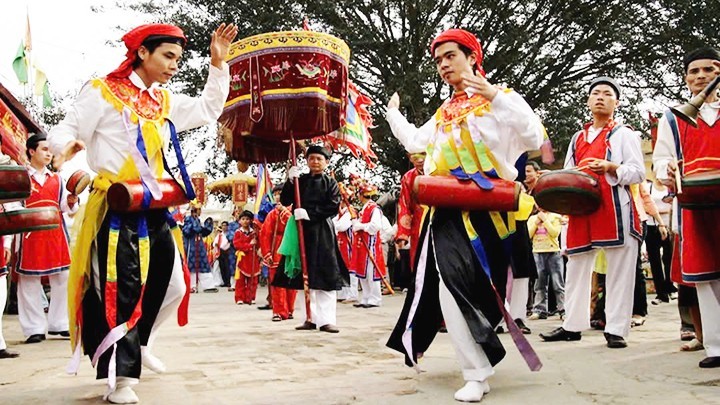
35	339
370	306
306	326
560	334
4	354
62	333
523	328
614	341
329	328
710	362
360	305
264	307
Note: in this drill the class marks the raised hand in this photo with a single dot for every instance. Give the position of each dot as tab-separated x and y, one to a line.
223	36
480	85
394	101
70	150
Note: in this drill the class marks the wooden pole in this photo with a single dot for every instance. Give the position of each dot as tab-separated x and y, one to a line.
301	235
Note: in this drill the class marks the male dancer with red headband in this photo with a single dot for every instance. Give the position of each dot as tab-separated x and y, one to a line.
124	262
477	134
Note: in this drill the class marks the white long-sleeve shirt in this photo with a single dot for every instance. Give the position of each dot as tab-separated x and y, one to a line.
626	152
664	151
388	231
509	129
375	224
342	222
221	241
103	129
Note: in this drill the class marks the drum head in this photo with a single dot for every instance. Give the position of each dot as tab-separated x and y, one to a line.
568	192
82	183
568	201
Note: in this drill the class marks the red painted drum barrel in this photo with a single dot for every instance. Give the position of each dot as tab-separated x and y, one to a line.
568	192
14	183
700	191
78	182
29	220
128	196
449	192
286	83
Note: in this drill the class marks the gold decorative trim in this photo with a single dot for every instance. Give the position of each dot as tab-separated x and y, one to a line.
288	39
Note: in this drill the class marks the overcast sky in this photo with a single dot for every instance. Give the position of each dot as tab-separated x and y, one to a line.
69	40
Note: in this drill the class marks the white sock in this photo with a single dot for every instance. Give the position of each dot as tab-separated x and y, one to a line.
151	362
472	391
124	393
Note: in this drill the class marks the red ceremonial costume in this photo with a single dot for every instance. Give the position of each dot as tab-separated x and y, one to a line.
699	229
345	244
603	228
409	214
283	299
364	240
47	252
248	265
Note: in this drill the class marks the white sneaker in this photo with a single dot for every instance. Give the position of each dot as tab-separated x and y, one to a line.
123	395
473	391
151	362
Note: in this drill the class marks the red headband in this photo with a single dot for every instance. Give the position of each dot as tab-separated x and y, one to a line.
464	38
135	38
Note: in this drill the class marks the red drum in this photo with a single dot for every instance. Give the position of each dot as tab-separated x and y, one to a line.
14	183
29	220
285	84
128	196
568	192
449	192
700	191
78	182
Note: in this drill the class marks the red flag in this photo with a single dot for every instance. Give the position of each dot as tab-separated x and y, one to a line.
653	127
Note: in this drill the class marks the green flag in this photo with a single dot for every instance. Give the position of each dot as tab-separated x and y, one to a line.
41	87
290	248
20	64
47	99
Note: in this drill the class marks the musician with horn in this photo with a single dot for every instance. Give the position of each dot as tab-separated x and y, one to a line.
684	149
462	262
124	261
610	152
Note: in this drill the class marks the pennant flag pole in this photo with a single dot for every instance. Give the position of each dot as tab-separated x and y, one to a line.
263	196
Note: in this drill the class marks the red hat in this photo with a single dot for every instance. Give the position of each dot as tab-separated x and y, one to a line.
136	37
464	38
368	189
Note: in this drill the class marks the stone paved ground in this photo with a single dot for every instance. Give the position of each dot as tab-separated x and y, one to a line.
232	354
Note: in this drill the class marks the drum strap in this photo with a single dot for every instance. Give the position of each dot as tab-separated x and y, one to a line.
524	347
676	133
189	190
573	142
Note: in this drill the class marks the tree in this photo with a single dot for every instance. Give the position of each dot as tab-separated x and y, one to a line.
546	50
